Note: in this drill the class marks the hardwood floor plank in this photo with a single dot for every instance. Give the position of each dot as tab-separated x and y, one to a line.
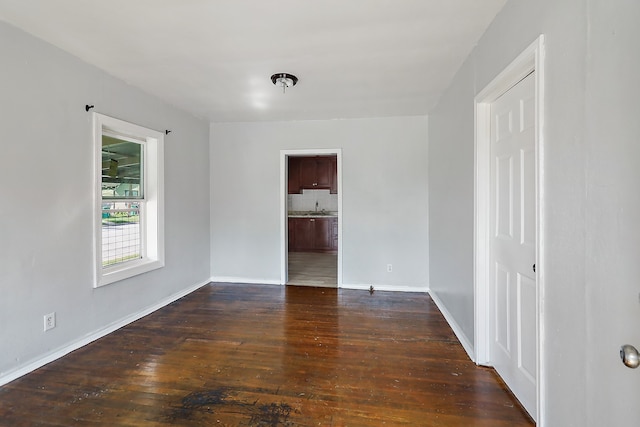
260	355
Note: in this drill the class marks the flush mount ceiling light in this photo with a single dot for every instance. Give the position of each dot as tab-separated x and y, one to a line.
284	80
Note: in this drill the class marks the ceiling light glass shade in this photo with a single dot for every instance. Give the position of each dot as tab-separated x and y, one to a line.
284	80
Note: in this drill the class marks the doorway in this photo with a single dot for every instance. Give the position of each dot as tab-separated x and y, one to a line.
508	229
313	213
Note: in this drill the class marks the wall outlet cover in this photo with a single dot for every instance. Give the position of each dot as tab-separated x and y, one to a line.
49	321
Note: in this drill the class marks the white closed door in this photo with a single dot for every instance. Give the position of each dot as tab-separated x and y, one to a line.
513	340
612	205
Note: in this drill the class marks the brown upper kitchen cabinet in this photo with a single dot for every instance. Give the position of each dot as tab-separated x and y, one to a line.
294	175
313	173
334	175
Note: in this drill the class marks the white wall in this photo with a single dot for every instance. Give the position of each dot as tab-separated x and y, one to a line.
46	205
584	38
384	197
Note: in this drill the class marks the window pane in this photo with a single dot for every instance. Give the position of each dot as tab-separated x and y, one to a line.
120	232
121	168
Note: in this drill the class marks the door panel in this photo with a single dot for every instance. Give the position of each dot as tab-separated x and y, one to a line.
612	259
527	327
308	172
291	235
528	197
504	197
513	209
503	309
322	234
323	172
304	233
293	182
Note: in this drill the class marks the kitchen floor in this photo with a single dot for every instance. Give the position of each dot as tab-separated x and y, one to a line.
313	269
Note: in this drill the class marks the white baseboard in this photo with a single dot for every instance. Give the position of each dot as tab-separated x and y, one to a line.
63	351
393	288
229	279
457	330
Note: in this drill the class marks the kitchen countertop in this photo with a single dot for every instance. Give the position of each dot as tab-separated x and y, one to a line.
312	214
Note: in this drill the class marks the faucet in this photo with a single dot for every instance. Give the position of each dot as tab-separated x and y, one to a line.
316	206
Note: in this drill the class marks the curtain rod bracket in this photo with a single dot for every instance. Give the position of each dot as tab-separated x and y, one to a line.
88	107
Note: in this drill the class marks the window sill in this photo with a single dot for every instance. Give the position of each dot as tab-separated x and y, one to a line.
126	270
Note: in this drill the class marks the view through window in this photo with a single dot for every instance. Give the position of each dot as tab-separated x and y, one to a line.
122	198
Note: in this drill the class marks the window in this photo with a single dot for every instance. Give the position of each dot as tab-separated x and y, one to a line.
129	199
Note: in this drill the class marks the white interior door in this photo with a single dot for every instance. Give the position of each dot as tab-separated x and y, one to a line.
612	267
513	312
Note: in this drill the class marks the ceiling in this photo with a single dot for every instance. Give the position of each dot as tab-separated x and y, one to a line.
214	58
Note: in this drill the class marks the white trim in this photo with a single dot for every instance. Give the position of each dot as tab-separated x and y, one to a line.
457	330
532	59
251	281
284	229
386	288
152	209
62	351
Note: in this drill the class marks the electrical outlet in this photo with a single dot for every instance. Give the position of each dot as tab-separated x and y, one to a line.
49	321
389	268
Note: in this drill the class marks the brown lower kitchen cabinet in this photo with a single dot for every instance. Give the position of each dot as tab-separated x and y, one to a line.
313	234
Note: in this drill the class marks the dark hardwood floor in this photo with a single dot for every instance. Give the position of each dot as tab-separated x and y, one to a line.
259	355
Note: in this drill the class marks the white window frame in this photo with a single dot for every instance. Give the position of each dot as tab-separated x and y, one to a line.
151	210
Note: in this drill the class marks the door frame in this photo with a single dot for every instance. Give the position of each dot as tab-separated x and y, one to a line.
530	60
284	229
